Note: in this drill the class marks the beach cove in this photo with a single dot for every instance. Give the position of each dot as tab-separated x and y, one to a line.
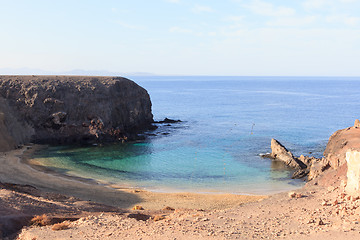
89	207
217	145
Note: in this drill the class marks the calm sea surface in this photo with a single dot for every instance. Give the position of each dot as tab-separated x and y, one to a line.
227	123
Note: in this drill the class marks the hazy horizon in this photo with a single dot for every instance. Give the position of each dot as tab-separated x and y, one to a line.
79	72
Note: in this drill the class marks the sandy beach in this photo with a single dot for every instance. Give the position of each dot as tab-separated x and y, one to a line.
14	170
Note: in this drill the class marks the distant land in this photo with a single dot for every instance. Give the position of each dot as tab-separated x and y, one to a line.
34	71
202	77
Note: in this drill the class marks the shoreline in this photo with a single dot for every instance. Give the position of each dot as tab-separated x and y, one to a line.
96	179
17	170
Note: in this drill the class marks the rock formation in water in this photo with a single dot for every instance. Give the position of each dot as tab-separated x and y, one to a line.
280	153
341	142
66	109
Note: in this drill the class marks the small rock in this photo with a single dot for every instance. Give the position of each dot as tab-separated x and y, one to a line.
169	208
324	203
292	194
311	221
298	195
158	218
320	222
138	207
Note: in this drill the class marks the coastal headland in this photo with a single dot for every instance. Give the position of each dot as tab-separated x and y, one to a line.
71	109
36	204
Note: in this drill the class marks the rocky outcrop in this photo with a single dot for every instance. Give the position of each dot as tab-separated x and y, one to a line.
168	120
303	166
339	143
279	152
71	109
335	159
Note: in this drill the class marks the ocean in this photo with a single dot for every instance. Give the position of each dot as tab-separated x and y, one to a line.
226	123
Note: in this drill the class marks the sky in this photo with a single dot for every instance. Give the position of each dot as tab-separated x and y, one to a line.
181	37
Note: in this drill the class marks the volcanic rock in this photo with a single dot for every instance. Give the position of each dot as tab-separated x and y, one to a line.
279	152
339	143
70	109
168	120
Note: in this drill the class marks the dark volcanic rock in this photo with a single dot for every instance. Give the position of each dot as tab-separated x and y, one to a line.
168	120
71	109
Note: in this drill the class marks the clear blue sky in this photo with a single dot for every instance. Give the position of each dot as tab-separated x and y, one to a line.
183	37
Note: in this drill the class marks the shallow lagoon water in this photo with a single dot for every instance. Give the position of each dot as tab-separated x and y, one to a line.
227	123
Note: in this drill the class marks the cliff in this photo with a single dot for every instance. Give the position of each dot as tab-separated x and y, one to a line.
339	143
66	109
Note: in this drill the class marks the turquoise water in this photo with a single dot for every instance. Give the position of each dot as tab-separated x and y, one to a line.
227	123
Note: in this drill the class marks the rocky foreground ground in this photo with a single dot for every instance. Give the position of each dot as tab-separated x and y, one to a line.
314	212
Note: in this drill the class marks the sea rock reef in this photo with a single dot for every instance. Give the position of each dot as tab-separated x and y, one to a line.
301	164
69	109
279	152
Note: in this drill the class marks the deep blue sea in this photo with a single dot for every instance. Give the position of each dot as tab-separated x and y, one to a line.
226	123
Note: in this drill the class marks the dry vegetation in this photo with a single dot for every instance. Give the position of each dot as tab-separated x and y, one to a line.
40	220
61	226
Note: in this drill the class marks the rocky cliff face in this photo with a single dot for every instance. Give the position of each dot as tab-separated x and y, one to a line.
340	142
71	109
